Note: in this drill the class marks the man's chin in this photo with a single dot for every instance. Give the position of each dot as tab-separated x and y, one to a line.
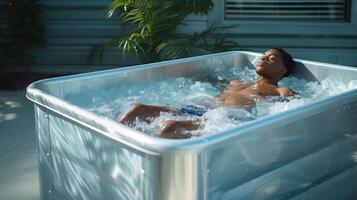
259	71
259	68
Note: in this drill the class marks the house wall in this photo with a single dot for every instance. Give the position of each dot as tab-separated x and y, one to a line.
73	27
333	42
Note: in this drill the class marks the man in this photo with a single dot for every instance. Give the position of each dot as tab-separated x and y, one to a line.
273	65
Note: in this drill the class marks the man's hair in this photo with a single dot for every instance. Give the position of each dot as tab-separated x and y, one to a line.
288	61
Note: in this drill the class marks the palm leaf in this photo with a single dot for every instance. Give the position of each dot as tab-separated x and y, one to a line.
152	33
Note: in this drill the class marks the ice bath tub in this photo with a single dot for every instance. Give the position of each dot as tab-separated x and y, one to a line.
306	153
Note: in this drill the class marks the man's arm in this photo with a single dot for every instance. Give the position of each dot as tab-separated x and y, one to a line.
145	112
285	91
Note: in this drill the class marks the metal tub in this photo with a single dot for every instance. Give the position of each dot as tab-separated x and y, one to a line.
305	153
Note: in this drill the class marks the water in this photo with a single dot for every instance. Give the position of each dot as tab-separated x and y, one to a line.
177	92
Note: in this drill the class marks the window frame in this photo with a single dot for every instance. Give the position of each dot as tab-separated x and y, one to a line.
286	26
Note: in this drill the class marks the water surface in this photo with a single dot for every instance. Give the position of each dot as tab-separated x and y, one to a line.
178	92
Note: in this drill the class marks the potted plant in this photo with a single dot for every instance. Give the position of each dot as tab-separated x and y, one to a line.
152	26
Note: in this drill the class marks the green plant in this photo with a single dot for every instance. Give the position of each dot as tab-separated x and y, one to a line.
152	32
24	31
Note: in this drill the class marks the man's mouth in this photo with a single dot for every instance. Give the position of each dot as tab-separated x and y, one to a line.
260	64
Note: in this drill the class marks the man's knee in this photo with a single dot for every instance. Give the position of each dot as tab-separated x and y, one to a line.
137	106
174	130
129	116
170	124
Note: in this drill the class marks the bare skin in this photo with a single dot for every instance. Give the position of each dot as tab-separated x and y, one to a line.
270	69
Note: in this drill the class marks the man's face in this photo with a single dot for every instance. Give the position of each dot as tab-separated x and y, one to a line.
271	65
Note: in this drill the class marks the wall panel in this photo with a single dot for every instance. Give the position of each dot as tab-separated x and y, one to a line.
73	27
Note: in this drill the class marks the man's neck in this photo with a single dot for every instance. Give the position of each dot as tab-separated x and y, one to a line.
263	80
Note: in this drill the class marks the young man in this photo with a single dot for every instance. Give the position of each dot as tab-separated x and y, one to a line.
273	65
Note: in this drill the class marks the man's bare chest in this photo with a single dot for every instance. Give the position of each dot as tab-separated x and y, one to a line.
256	90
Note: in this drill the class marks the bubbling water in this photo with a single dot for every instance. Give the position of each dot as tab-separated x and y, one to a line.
178	92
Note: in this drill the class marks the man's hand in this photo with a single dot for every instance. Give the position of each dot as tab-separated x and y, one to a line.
284	91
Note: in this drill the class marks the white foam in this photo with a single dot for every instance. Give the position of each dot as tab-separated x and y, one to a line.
177	92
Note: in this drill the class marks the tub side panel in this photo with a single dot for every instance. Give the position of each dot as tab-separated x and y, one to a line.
342	186
190	67
315	71
87	165
285	160
181	177
319	169
43	152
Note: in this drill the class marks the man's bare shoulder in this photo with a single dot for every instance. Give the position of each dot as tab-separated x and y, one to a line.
285	91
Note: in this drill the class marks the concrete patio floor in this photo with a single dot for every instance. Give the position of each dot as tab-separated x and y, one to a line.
18	158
